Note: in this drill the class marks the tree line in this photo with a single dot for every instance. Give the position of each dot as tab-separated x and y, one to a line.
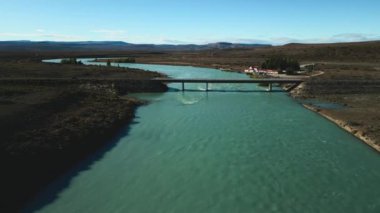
281	64
70	61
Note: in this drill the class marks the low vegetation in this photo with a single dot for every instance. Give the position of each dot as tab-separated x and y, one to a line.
33	69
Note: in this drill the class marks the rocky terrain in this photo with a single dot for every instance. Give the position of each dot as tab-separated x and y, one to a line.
46	127
355	88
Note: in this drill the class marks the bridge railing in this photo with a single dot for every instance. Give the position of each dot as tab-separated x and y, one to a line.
207	81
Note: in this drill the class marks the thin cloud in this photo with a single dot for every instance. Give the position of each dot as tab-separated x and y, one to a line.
346	37
250	41
355	37
121	35
61	36
174	41
107	31
40	36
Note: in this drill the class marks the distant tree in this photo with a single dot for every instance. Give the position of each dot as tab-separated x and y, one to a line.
124	60
290	71
116	60
282	63
310	68
70	61
108	63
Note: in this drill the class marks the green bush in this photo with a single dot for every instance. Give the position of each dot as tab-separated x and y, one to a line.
281	63
124	60
70	61
116	60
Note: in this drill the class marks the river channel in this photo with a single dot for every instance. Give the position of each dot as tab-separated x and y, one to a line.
236	148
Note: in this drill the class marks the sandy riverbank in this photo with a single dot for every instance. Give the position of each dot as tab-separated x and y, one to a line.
346	126
359	100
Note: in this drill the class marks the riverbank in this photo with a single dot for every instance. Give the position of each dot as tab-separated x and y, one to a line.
115	60
359	133
356	90
48	127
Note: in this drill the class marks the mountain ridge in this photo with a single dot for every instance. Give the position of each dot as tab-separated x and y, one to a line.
117	45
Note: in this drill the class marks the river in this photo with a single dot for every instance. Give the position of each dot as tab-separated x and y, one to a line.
234	149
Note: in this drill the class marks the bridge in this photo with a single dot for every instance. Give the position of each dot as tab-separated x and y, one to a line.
155	82
270	81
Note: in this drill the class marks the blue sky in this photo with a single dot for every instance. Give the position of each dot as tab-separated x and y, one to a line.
191	21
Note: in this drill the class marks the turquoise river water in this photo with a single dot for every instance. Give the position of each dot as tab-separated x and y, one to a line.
234	149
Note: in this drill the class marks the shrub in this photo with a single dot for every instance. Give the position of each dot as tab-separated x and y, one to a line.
70	61
281	63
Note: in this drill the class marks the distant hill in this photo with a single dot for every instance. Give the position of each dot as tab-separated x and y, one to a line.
350	52
227	45
215	53
113	46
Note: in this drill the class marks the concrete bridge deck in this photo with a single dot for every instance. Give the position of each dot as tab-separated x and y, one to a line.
268	81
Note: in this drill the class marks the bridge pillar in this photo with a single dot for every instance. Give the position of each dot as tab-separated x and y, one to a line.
206	86
270	87
183	86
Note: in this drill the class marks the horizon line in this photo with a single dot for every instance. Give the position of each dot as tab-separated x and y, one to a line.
197	44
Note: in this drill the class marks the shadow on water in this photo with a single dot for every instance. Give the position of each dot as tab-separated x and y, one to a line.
51	192
226	90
